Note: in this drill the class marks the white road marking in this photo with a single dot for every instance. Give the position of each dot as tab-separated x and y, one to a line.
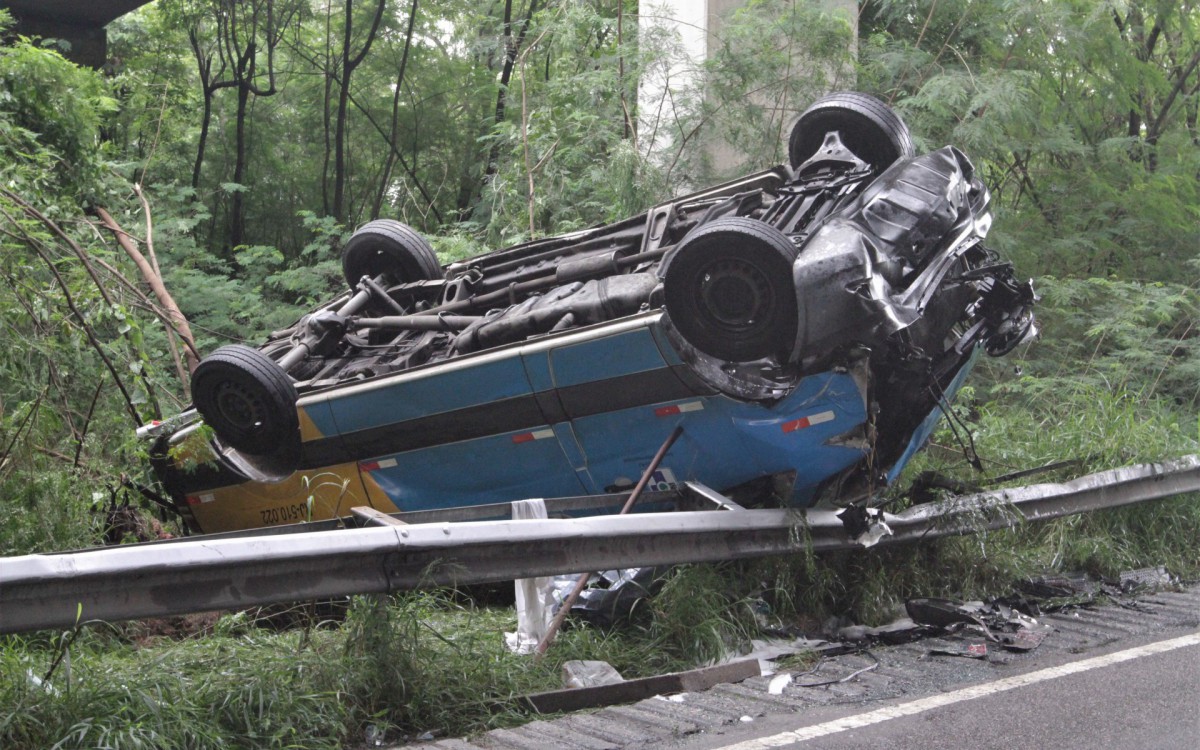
945	699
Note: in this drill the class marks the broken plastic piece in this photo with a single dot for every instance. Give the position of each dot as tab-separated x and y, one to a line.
534	596
864	525
612	594
940	613
1145	579
581	674
900	631
778	683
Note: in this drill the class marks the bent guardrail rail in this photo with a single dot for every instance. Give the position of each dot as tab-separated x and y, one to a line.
191	575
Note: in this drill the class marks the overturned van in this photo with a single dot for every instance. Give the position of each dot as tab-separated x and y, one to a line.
805	325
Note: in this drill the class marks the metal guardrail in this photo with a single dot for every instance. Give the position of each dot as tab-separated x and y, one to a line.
191	575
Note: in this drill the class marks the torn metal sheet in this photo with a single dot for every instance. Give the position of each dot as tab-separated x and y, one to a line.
629	691
1026	638
1061	586
1145	579
994	621
611	595
195	575
968	650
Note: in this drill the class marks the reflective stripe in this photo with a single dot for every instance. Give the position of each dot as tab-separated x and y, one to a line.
667	411
526	437
386	463
809	421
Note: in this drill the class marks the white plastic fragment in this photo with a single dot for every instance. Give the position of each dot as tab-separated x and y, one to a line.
535	596
877	530
38	682
778	683
580	674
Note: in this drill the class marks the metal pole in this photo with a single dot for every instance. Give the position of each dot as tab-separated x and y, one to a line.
581	584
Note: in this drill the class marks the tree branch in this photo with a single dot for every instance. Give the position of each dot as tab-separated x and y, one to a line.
154	279
1156	130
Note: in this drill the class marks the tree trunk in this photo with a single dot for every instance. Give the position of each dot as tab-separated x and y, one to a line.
339	134
328	95
512	49
349	63
205	120
178	322
386	176
237	219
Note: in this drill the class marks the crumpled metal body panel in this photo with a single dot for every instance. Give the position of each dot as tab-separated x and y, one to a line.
868	271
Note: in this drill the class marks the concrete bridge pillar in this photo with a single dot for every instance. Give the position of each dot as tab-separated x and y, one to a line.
79	23
85	44
698	25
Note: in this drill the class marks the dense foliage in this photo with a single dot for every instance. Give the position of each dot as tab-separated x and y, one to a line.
237	141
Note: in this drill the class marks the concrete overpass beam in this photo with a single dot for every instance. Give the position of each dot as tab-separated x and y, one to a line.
86	44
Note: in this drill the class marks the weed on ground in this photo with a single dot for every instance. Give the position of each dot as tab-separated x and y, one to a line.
424	662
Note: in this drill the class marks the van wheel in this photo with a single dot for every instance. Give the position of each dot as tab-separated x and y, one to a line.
729	292
247	399
391	248
867	126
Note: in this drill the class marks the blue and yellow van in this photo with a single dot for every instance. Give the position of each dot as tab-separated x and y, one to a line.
805	325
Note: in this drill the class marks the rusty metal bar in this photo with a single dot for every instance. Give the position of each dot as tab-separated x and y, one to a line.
44	591
581	582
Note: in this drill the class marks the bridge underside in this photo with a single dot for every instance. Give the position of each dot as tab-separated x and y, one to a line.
80	24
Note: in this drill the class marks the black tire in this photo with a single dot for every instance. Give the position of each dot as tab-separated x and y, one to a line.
392	248
728	289
867	126
247	399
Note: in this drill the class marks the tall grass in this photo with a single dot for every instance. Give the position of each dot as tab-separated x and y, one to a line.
395	668
243	690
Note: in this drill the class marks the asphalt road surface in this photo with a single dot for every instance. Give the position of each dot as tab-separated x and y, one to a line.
1143	694
1124	677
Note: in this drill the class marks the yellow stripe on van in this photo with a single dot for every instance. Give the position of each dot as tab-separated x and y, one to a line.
308	428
